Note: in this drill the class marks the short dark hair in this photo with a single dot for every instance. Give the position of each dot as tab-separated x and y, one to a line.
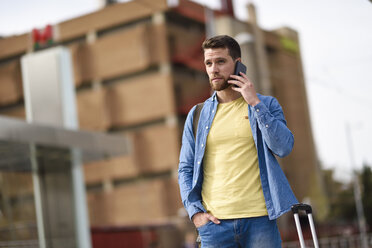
223	41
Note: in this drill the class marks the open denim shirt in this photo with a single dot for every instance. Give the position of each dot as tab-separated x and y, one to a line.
271	136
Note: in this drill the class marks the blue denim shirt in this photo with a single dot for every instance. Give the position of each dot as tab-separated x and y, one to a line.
271	136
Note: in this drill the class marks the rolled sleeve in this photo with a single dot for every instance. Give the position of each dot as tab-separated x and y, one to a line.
195	208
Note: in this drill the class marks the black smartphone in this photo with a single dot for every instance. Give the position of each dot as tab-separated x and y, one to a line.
239	67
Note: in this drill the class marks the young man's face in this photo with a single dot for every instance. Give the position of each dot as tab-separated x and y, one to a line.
219	66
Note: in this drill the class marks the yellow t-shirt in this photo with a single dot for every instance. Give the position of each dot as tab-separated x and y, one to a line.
232	185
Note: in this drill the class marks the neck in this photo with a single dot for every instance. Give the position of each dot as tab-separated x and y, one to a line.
227	95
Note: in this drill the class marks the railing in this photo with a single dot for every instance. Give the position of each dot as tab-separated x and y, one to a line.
353	241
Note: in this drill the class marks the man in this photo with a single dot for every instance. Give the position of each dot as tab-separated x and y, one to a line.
230	181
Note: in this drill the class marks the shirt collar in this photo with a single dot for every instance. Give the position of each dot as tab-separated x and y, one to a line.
214	96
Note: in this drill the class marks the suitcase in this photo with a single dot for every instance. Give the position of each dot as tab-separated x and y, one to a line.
307	208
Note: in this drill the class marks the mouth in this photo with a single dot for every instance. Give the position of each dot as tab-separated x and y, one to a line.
216	79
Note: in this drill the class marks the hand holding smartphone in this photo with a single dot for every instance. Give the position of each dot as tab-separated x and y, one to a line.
239	67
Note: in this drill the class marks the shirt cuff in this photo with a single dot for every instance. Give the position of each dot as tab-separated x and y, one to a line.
260	109
193	209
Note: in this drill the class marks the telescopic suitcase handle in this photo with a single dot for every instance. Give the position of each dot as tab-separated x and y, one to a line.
304	207
307	208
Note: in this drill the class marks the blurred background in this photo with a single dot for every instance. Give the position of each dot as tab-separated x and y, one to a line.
135	69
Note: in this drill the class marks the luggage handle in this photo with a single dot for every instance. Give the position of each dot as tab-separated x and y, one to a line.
301	206
307	208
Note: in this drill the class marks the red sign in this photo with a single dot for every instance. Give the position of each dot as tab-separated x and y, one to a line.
42	37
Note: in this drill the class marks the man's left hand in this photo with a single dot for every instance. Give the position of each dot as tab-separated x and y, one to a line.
245	87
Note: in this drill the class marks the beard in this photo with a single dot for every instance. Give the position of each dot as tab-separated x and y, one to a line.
220	85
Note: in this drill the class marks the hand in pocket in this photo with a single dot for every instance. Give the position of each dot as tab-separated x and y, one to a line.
201	219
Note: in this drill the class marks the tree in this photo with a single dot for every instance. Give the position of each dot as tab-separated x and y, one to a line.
341	199
366	185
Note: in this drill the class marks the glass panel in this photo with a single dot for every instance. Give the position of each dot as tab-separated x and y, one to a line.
17	210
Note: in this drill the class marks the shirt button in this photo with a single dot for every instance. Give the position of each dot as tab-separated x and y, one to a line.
257	110
206	127
198	162
202	145
213	111
266	126
195	181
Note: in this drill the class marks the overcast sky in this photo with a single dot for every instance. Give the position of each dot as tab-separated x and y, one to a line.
335	37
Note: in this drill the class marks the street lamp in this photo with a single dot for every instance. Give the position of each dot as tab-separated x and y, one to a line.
357	193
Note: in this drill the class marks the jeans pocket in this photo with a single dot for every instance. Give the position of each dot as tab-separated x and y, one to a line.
200	228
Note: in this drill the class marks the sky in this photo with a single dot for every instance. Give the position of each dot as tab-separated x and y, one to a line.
335	40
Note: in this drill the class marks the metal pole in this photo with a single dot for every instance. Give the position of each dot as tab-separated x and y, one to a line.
38	198
357	193
313	232
299	230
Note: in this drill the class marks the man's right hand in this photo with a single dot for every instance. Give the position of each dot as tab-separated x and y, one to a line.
200	219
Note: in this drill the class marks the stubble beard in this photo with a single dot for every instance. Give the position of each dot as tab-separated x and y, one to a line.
218	86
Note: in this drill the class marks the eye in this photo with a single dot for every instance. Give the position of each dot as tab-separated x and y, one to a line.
208	63
221	61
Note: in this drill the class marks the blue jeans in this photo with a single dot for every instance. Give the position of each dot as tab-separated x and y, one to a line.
256	232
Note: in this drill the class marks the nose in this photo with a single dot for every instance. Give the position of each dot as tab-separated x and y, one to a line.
214	68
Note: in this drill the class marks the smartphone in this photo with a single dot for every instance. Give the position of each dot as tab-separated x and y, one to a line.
239	67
